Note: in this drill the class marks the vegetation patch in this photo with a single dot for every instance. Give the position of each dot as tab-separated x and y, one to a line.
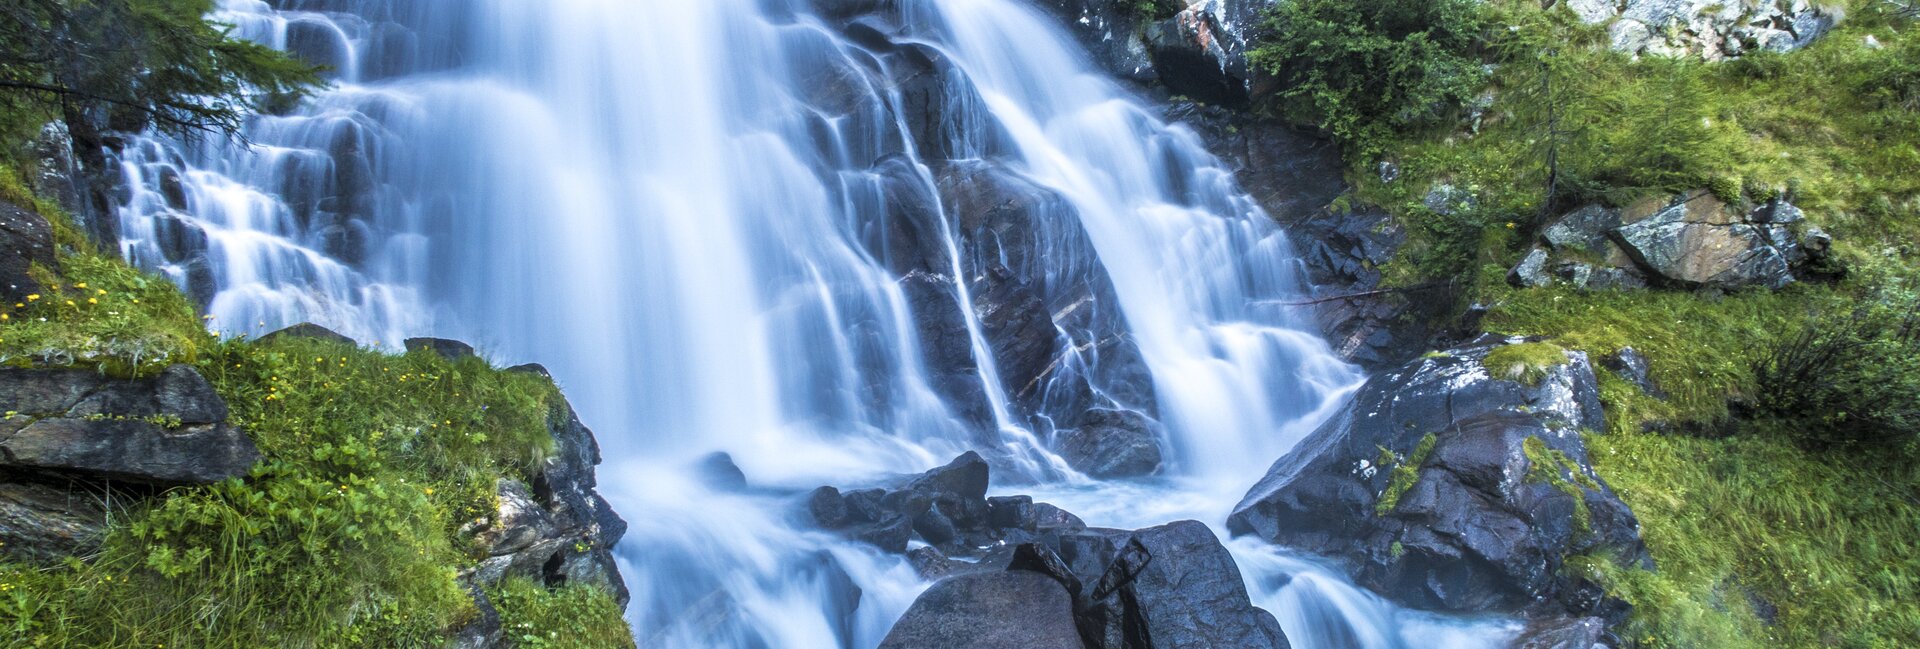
571	617
347	534
1402	472
1525	363
1761	543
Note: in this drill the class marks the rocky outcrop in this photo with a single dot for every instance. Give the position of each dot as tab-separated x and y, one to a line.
1447	485
1709	29
1697	241
1690	241
554	530
72	442
1196	48
26	240
166	430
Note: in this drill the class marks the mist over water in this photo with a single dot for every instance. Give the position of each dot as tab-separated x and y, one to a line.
685	211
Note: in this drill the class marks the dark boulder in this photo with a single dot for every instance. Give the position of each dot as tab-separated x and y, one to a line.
1201	52
1183	591
169	429
989	610
1112	444
311	331
452	350
946	507
1444	487
26	240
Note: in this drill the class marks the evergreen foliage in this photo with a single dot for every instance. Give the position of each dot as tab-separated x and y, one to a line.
1367	69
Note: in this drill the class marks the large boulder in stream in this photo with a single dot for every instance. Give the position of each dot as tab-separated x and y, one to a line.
1458	482
989	610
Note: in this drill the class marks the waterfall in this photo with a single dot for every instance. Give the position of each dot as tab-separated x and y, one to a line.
745	226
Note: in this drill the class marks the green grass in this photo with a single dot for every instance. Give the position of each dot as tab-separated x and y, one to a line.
1700	351
1524	363
571	617
1831	543
1835	126
347	534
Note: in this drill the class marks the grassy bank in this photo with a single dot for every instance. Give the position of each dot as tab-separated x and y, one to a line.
1761	541
347	534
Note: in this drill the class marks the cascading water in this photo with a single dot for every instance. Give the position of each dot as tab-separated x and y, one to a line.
744	225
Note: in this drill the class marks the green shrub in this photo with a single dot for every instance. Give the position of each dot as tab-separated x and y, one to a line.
1849	380
1367	69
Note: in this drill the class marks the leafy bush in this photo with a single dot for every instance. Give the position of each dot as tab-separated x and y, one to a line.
576	616
1366	69
1849	380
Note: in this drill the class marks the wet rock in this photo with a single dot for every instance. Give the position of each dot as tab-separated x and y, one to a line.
828	508
26	240
1697	242
946	115
1112	36
311	331
947	346
1112	444
42	524
1042	297
1445	488
452	350
1012	512
718	471
946	507
164	430
989	610
1531	272
1176	586
1201	52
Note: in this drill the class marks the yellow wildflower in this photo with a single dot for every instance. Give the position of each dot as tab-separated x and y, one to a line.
33	298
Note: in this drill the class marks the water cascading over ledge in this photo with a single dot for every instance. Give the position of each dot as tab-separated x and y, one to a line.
838	240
